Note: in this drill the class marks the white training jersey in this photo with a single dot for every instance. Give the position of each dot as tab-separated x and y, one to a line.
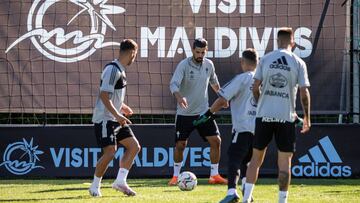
113	80
192	81
242	103
280	71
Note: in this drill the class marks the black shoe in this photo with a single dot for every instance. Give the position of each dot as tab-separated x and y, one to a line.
230	199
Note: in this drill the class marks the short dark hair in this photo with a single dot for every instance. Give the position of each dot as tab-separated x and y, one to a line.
251	55
127	45
285	33
200	42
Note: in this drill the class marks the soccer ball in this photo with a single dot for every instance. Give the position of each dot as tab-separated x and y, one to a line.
187	181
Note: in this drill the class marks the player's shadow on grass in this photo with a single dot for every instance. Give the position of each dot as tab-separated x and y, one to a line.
66	189
58	190
336	192
136	183
45	199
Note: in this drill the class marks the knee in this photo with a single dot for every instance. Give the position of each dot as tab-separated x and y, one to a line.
216	142
180	146
109	153
137	148
133	147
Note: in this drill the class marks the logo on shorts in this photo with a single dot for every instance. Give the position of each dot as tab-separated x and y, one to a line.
74	46
20	157
322	161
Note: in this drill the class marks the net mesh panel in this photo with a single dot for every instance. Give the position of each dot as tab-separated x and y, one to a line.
36	89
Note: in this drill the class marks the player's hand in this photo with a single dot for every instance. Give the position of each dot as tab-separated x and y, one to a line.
306	125
299	122
122	120
182	102
127	111
203	118
226	105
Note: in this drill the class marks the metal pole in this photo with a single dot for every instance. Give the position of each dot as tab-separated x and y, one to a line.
356	59
345	77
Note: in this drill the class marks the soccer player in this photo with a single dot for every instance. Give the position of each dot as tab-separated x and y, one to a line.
189	85
111	124
278	76
243	110
238	92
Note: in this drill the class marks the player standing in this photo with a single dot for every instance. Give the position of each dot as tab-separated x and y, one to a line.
277	78
111	127
243	110
189	85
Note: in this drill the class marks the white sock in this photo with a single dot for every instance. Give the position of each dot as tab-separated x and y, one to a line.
231	191
283	196
177	168
249	187
96	182
214	169
243	181
122	175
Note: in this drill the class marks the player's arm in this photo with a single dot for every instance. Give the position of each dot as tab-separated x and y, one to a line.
215	87
175	85
256	89
305	102
219	103
105	98
126	110
180	100
209	114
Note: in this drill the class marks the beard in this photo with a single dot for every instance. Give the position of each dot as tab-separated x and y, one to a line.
198	60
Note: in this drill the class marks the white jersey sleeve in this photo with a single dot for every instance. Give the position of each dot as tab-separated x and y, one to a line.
259	71
177	78
232	88
109	77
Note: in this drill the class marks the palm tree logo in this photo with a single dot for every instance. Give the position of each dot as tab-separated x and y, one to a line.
85	45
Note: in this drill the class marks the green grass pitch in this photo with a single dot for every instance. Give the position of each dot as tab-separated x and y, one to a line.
156	190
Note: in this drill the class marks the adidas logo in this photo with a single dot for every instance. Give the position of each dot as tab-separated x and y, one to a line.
322	161
280	63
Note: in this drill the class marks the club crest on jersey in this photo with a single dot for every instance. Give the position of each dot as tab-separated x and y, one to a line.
278	80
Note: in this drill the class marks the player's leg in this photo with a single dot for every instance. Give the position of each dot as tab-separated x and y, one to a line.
103	132
126	138
284	176
178	158
262	137
209	131
285	141
252	173
183	128
237	152
244	165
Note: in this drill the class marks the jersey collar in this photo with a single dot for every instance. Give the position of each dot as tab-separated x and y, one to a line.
119	64
194	65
